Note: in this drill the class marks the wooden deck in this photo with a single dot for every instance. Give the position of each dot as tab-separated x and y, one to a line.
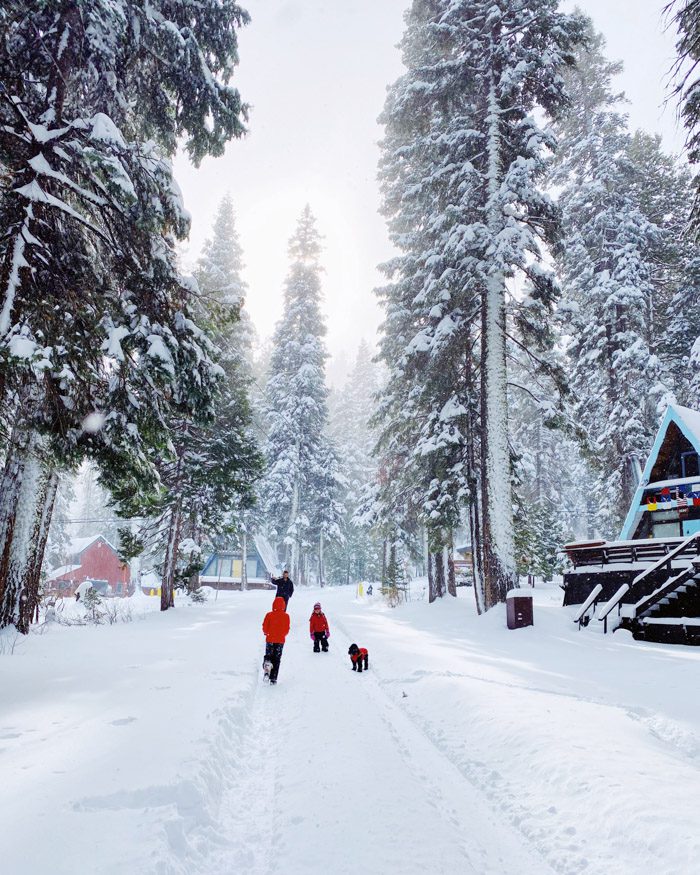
615	563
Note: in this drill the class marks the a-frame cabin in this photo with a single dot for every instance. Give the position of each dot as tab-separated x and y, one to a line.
667	501
652	573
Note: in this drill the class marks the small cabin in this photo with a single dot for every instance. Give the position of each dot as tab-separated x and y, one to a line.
653	570
667	501
91	558
223	569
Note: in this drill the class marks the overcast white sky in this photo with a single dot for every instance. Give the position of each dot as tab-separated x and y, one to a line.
315	73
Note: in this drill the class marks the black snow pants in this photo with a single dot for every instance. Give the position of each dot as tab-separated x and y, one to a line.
320	638
273	654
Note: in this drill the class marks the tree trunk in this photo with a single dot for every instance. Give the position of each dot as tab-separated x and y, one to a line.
432	588
195	531
293	551
244	560
451	582
30	596
10	486
384	562
167	595
19	546
497	509
320	560
440	582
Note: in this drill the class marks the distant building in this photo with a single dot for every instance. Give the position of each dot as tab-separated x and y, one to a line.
92	558
223	568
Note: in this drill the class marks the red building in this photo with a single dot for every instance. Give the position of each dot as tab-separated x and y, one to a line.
94	559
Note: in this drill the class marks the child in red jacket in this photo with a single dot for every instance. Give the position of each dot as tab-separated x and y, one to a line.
275	628
359	656
318	629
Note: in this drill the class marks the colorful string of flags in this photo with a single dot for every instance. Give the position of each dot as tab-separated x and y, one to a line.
681	497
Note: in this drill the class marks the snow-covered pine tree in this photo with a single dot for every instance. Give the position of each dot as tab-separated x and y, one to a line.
219	275
685	15
661	186
60	531
356	556
326	484
296	407
424	313
509	57
463	169
206	483
93	314
223	290
607	265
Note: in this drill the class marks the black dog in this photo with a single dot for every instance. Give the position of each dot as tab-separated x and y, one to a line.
359	657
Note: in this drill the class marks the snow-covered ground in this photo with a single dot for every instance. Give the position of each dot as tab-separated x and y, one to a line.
153	746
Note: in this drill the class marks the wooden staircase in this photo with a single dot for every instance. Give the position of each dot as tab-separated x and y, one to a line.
671	613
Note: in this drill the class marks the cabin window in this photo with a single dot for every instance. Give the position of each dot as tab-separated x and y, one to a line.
223	567
689	464
667	530
666	525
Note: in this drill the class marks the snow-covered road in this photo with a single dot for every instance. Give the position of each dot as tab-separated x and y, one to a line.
344	780
154	747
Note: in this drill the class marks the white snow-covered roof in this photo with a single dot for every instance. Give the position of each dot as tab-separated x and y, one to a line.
63	571
267	554
77	545
691	421
679	481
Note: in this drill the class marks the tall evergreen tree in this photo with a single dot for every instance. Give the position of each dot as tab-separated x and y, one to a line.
613	235
220	278
355	557
685	14
207	479
297	451
463	166
95	321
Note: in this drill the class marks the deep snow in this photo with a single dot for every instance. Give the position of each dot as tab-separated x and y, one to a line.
153	746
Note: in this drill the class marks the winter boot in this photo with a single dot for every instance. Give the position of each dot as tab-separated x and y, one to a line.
267	668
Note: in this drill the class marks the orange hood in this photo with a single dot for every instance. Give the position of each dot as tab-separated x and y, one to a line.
278	604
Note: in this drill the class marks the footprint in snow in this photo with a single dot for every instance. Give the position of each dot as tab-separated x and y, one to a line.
122	721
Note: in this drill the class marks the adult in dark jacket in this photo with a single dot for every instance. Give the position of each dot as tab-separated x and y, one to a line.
285	587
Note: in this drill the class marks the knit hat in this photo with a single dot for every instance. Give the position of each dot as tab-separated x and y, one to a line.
317	605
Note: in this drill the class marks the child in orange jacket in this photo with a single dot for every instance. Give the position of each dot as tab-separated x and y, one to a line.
275	628
318	629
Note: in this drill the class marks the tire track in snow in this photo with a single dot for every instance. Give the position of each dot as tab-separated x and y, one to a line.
409	736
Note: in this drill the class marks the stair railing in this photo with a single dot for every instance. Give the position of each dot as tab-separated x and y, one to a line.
669	557
614	602
668	587
580	616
